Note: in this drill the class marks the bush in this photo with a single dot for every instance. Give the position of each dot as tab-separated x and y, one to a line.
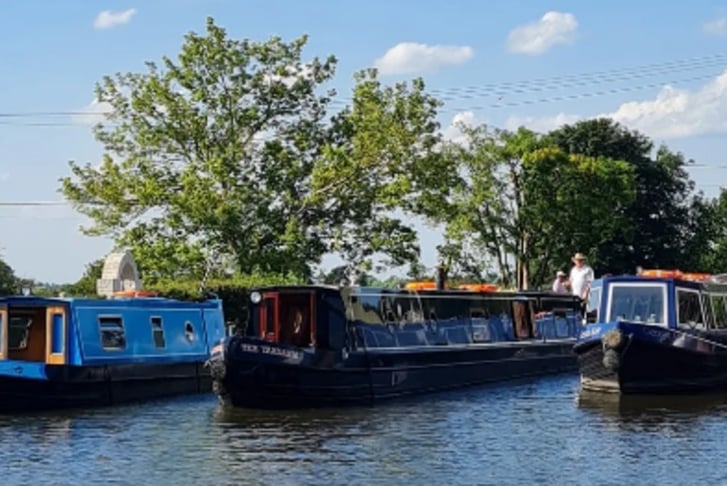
233	292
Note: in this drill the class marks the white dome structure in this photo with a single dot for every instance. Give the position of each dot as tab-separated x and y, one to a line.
119	274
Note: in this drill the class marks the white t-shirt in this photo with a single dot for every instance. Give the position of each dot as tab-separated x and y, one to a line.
559	286
580	279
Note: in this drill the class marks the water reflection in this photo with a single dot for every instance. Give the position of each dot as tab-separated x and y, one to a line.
529	432
630	406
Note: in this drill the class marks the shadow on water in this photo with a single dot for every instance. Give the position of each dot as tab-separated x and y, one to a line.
632	406
676	413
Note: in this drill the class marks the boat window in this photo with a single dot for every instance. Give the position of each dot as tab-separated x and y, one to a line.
719	310
19	331
189	331
157	332
689	308
112	333
638	303
594	302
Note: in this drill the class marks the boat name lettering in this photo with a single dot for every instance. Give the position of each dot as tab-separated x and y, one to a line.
271	350
249	348
286	353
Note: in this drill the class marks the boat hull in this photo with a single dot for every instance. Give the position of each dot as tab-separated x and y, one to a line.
252	380
671	362
78	387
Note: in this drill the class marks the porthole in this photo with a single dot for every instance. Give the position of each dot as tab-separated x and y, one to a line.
189	331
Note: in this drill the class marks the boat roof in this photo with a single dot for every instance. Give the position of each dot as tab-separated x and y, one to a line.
382	290
34	300
680	282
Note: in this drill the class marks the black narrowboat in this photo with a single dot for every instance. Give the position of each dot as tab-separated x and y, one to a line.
660	332
314	346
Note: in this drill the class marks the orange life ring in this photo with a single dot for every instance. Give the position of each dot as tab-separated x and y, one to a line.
696	277
421	286
480	287
135	293
661	273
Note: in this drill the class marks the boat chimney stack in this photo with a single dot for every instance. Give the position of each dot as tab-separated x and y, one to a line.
440	277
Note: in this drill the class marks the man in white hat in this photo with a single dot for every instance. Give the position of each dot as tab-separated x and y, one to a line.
559	283
581	276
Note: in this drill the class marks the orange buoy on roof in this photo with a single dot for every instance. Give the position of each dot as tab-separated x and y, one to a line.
696	277
661	273
480	287
135	293
421	286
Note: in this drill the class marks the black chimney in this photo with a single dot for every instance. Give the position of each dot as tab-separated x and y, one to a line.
440	277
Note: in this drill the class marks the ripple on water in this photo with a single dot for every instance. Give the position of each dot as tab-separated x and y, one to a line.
532	432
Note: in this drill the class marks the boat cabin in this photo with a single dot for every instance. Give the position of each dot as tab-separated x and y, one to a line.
78	332
674	300
357	317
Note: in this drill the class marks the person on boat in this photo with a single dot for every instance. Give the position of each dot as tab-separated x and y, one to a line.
581	276
559	283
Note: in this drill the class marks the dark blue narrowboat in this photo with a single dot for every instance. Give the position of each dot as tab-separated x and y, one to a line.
660	332
57	352
313	346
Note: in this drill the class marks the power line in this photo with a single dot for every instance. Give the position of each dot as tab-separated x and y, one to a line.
10	118
506	88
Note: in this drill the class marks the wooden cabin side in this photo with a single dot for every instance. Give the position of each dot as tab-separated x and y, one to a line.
33	330
332	318
36	332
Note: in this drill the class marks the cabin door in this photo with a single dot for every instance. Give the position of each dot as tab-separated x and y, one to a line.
55	340
3	332
269	319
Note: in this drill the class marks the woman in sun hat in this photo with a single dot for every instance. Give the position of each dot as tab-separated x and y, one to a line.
559	283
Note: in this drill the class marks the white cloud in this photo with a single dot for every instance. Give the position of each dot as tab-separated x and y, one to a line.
673	113
538	37
715	27
411	57
453	131
541	124
91	114
108	19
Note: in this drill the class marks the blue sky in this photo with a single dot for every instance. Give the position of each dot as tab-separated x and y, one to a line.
52	53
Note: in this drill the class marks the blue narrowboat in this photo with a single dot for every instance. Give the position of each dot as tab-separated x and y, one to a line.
660	332
57	352
315	346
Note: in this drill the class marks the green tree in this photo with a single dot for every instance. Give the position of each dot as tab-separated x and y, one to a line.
86	285
209	155
660	221
713	227
385	160
228	154
520	206
9	283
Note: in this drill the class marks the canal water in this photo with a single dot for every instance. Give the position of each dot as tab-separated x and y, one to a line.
532	432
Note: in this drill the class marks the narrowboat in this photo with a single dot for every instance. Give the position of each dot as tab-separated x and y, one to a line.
317	346
659	332
57	353
67	352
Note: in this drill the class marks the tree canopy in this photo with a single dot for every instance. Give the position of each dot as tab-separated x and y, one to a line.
233	159
523	204
231	154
